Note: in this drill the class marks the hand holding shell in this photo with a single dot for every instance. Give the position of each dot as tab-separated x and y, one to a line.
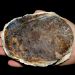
39	39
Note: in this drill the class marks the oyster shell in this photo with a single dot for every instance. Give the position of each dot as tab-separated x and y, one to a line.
38	39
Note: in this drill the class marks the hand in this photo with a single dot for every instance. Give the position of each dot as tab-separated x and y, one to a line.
10	62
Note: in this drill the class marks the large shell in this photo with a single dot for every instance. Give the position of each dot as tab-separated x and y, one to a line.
38	39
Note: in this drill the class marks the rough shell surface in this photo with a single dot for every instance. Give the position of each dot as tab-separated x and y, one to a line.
38	39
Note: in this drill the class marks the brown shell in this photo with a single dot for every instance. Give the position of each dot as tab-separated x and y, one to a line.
38	38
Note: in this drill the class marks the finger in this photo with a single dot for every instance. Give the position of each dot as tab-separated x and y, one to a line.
2	51
14	63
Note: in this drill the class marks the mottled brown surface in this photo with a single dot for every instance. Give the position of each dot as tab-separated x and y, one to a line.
39	38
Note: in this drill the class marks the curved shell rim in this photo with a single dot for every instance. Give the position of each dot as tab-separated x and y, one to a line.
26	62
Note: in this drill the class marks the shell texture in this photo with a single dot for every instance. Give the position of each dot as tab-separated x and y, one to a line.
38	39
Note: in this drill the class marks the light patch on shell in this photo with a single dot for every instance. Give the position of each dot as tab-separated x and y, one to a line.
38	39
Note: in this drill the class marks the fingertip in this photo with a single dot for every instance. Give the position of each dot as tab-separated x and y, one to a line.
14	63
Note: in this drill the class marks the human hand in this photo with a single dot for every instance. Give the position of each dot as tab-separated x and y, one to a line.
10	62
